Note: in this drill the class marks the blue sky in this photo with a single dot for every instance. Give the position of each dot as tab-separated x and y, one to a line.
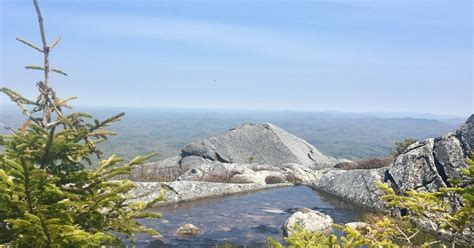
353	56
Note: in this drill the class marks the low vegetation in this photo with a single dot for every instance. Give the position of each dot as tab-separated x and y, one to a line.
401	146
370	163
374	163
47	196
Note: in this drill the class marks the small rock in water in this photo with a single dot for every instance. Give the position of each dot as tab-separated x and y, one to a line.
307	219
224	228
188	230
157	236
274	211
357	225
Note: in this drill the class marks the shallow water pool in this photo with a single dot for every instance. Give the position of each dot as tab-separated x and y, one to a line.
246	219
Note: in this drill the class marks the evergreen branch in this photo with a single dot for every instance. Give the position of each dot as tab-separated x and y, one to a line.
8	128
100	125
29	44
16	97
45	156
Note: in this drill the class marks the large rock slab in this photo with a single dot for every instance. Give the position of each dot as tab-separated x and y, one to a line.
356	186
262	144
184	191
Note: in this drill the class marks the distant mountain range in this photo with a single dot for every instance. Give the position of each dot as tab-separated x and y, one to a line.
341	135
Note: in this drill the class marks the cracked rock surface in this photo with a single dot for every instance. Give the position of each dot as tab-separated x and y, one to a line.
424	166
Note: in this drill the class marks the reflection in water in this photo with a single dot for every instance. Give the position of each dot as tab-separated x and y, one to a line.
246	219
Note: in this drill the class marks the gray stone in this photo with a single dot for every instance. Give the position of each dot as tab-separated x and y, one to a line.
309	220
356	186
188	230
184	191
201	169
262	144
449	156
155	171
415	168
465	133
213	171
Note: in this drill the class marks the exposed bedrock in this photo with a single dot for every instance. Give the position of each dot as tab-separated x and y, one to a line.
262	144
249	153
265	154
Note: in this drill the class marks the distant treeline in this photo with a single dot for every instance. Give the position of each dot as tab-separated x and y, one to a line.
349	136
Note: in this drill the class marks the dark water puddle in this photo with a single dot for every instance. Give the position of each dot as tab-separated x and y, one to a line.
246	219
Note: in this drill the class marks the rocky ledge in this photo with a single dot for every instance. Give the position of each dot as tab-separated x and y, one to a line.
424	166
184	191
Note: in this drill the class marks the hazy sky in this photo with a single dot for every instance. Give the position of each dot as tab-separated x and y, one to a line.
354	55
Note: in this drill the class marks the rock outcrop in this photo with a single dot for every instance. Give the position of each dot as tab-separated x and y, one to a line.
249	153
425	166
429	164
262	144
167	169
309	220
356	186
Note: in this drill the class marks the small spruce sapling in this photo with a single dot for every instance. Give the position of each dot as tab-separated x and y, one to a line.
47	196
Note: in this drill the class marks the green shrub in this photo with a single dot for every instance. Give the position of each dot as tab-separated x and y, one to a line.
370	163
401	146
274	180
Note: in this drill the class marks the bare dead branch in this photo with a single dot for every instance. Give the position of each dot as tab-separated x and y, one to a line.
54	43
41	26
29	44
59	71
34	67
